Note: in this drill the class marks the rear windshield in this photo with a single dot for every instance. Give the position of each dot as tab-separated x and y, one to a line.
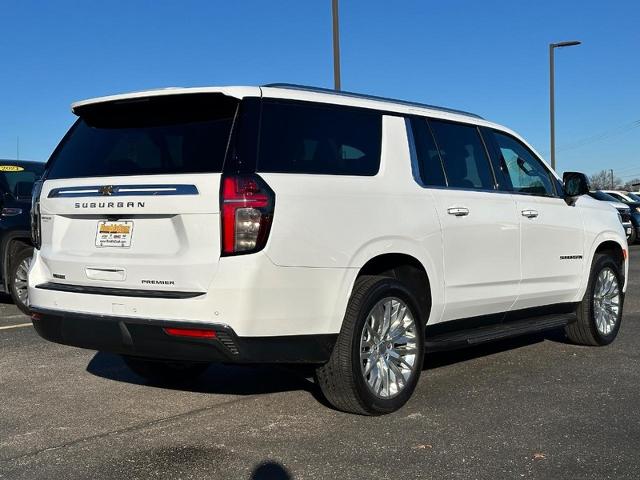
320	139
162	135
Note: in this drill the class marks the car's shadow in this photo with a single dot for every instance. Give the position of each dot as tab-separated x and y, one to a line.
218	378
442	359
261	379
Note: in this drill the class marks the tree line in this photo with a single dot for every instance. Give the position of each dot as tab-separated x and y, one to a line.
604	181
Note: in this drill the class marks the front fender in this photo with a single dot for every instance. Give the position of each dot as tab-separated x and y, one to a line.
590	251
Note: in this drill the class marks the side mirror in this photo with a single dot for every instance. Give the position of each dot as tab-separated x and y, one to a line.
575	184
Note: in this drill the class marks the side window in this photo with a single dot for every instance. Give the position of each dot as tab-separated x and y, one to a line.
321	139
428	160
526	173
463	155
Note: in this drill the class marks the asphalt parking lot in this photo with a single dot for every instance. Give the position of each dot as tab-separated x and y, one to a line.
535	407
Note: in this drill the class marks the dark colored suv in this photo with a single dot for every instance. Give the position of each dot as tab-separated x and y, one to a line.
16	183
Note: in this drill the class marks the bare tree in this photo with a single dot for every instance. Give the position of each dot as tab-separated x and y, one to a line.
602	180
632	185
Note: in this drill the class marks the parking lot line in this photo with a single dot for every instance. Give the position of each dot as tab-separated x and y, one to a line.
16	326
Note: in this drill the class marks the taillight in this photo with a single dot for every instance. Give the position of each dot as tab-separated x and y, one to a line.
246	204
36	227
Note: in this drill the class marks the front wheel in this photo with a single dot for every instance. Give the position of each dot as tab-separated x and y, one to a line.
377	359
18	275
600	312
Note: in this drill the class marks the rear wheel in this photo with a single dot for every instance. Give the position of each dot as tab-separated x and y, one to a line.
164	371
600	312
377	359
633	238
18	274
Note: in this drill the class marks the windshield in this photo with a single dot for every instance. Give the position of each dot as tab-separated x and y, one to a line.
618	196
19	177
605	197
634	196
160	135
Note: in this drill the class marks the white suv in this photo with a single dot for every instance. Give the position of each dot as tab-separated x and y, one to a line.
299	225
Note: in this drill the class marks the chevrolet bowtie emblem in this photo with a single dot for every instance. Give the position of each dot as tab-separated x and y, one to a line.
106	190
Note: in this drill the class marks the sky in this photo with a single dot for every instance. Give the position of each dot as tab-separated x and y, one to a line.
488	57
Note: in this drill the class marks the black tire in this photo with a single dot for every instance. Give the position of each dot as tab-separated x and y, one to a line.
341	378
633	238
164	371
17	278
584	331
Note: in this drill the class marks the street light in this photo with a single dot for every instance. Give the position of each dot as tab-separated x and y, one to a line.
336	45
552	107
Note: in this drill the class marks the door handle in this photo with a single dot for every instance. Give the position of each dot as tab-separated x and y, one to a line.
458	211
530	213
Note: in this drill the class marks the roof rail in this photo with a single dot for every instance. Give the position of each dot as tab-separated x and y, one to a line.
306	88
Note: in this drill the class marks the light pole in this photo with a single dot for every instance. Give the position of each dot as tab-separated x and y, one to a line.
336	45
552	107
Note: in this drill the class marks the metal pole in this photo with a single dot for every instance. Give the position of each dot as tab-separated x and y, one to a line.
612	187
552	106
552	95
336	45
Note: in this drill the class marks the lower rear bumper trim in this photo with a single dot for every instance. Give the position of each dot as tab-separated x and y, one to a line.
146	338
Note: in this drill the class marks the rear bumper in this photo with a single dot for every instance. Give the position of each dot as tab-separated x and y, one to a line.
248	293
147	338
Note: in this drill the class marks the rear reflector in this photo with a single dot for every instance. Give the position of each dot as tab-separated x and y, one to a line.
190	332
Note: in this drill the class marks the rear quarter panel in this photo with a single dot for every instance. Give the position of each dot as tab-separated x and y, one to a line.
332	221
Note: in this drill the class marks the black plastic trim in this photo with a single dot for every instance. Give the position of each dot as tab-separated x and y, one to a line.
118	292
474	330
146	338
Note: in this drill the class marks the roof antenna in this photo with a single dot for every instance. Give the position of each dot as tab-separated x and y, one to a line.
18	148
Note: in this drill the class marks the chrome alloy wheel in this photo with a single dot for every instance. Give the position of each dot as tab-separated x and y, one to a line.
606	301
20	281
388	347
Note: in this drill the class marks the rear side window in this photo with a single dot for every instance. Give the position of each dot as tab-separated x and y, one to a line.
463	155
320	139
161	135
428	159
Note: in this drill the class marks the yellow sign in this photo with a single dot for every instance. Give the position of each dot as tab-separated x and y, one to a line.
11	168
114	228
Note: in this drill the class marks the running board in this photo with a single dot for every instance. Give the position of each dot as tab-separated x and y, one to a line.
498	331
